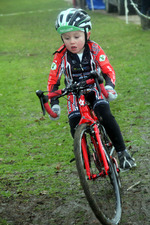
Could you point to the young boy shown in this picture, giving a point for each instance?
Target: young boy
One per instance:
(75, 59)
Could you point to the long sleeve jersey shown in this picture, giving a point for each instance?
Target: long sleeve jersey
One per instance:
(74, 69)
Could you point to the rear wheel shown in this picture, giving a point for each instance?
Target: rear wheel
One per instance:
(102, 192)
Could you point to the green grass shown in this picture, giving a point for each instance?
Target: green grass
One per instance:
(32, 147)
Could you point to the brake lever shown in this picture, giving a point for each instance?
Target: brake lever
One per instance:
(43, 99)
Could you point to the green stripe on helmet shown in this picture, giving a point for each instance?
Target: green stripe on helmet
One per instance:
(68, 28)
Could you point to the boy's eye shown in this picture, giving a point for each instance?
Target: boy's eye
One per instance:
(76, 37)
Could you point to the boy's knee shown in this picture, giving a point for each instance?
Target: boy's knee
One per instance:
(74, 119)
(102, 110)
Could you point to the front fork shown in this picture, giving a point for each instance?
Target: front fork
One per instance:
(101, 155)
(101, 150)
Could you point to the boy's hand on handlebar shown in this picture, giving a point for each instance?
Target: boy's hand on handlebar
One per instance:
(112, 94)
(56, 109)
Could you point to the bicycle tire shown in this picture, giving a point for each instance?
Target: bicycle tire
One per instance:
(103, 193)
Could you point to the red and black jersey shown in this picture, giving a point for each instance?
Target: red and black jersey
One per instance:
(74, 69)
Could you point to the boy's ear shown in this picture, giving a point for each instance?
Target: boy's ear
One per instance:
(88, 35)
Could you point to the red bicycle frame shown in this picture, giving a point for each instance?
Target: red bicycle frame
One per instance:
(87, 116)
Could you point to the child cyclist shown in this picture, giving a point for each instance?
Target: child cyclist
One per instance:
(76, 58)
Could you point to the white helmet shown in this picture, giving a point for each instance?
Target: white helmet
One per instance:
(73, 20)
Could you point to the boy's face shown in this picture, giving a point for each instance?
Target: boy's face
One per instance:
(75, 41)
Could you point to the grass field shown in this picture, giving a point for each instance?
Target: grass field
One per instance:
(33, 148)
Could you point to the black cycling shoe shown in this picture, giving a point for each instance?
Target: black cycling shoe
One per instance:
(126, 161)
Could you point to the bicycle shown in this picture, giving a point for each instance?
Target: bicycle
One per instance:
(97, 167)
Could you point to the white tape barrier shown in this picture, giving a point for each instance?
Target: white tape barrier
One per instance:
(137, 10)
(135, 7)
(126, 10)
(92, 5)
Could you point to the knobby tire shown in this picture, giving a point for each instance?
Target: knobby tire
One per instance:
(103, 193)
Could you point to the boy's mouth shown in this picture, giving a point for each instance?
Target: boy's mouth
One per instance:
(73, 48)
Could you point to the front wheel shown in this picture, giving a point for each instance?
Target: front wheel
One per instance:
(102, 191)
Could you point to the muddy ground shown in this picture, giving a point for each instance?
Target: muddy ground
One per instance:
(72, 208)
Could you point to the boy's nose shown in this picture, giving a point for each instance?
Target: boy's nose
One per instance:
(72, 40)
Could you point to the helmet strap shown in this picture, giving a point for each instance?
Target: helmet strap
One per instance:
(85, 33)
(62, 39)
